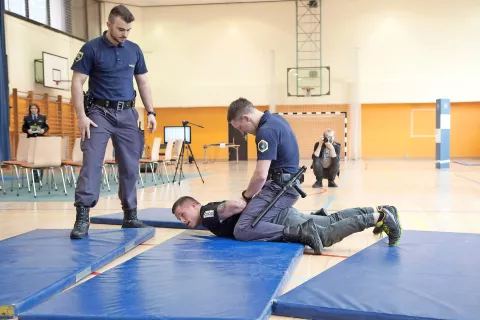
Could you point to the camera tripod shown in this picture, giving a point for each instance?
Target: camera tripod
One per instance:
(182, 153)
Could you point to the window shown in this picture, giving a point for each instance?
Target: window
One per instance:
(37, 10)
(67, 16)
(15, 6)
(58, 15)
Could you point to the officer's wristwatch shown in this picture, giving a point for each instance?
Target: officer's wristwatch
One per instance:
(244, 197)
(152, 112)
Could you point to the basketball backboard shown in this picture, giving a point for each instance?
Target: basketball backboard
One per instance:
(308, 81)
(52, 71)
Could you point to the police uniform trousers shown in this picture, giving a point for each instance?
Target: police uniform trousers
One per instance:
(265, 230)
(128, 142)
(332, 228)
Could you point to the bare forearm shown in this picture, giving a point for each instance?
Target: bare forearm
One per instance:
(230, 208)
(146, 95)
(77, 98)
(333, 154)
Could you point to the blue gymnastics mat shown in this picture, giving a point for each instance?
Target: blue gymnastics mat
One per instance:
(190, 276)
(39, 264)
(428, 275)
(154, 217)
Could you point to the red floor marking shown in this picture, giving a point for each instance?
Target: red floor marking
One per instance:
(147, 244)
(95, 273)
(319, 192)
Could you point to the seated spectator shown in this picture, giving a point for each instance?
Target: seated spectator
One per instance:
(35, 125)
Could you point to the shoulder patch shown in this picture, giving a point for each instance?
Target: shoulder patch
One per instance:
(209, 214)
(79, 56)
(262, 146)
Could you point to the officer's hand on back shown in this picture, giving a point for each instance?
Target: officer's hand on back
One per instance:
(84, 126)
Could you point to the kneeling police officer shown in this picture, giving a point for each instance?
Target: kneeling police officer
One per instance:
(278, 160)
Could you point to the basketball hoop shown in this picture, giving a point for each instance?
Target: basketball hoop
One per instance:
(57, 82)
(307, 91)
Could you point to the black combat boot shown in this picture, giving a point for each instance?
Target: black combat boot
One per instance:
(320, 212)
(318, 183)
(130, 219)
(82, 223)
(305, 233)
(331, 183)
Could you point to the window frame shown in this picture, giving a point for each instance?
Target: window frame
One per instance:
(49, 20)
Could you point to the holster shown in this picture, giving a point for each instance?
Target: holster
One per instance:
(279, 177)
(87, 101)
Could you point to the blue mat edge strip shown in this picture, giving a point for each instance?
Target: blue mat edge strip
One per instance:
(286, 277)
(70, 280)
(116, 219)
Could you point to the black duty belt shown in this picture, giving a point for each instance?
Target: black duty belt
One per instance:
(281, 178)
(117, 105)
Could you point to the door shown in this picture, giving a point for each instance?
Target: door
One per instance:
(235, 137)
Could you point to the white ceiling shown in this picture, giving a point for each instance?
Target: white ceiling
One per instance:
(145, 3)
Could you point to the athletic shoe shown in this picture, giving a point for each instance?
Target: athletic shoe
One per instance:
(392, 209)
(391, 226)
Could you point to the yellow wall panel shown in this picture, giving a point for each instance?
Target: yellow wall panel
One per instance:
(408, 130)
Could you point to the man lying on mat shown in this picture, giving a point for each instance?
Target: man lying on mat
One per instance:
(221, 217)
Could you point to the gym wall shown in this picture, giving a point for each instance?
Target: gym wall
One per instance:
(214, 119)
(398, 54)
(397, 51)
(408, 130)
(25, 42)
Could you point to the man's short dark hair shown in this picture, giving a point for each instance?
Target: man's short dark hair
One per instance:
(181, 201)
(122, 12)
(238, 108)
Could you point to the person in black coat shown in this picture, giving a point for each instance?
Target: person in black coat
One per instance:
(35, 125)
(326, 159)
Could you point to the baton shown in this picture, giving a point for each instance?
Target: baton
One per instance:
(291, 183)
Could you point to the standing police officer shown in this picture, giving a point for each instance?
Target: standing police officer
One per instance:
(110, 62)
(277, 161)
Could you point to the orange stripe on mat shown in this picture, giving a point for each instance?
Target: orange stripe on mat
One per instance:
(147, 244)
(95, 273)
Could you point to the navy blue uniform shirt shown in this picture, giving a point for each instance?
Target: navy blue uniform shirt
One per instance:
(110, 68)
(276, 141)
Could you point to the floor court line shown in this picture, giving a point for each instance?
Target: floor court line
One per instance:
(330, 199)
(475, 181)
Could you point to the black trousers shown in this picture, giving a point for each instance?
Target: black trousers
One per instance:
(325, 173)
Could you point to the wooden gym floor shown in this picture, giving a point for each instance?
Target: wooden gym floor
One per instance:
(427, 199)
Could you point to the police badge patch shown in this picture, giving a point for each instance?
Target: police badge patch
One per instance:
(79, 56)
(262, 146)
(209, 214)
